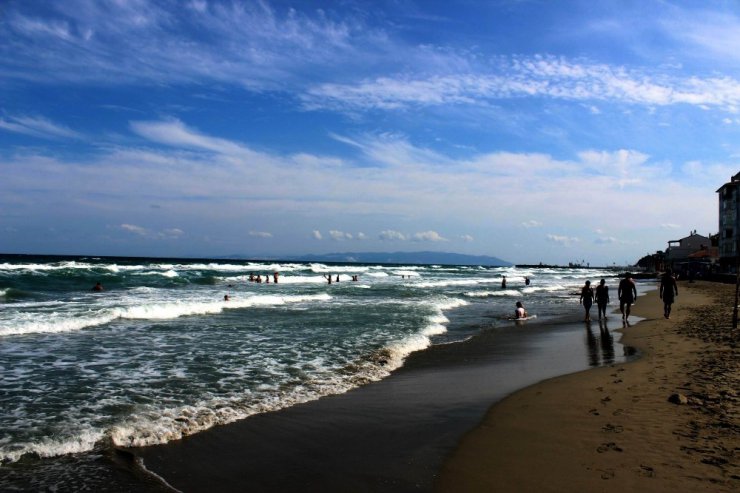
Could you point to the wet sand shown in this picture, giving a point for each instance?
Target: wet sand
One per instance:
(614, 428)
(392, 435)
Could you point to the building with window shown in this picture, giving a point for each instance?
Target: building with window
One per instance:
(729, 226)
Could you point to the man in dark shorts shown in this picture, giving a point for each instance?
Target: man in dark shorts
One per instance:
(627, 293)
(668, 291)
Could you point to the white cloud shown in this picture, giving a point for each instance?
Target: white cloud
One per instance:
(165, 234)
(432, 236)
(670, 226)
(603, 240)
(466, 238)
(390, 235)
(316, 234)
(539, 76)
(260, 234)
(562, 240)
(531, 224)
(135, 229)
(250, 44)
(38, 127)
(175, 133)
(339, 235)
(172, 233)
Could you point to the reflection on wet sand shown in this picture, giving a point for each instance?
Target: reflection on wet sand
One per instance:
(601, 347)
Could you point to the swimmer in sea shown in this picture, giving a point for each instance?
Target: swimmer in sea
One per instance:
(226, 297)
(97, 287)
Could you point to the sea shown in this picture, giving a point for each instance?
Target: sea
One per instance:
(160, 353)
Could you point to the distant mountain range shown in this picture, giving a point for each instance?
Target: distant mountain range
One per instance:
(441, 258)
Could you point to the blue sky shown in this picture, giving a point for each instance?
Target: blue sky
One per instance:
(550, 131)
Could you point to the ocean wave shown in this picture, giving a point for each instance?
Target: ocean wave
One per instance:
(151, 425)
(173, 424)
(29, 323)
(490, 294)
(83, 441)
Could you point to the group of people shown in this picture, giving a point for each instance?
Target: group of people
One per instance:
(626, 292)
(329, 281)
(258, 278)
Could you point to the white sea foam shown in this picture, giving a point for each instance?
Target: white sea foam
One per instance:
(57, 321)
(494, 293)
(84, 441)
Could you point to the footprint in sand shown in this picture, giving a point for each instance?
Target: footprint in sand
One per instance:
(594, 412)
(606, 473)
(605, 447)
(610, 428)
(646, 471)
(618, 412)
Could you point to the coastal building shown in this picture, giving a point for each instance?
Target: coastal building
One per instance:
(692, 254)
(653, 262)
(729, 224)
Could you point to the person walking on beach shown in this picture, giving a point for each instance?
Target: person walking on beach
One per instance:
(627, 293)
(520, 311)
(587, 299)
(602, 297)
(668, 291)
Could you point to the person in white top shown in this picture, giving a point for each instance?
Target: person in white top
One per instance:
(520, 311)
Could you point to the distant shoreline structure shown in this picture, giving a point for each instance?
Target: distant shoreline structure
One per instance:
(570, 266)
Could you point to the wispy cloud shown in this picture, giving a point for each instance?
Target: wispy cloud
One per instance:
(250, 44)
(260, 234)
(562, 240)
(169, 233)
(548, 77)
(38, 127)
(531, 224)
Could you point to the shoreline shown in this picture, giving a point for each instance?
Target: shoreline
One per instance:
(612, 428)
(389, 435)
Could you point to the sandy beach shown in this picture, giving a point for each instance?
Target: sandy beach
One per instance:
(616, 428)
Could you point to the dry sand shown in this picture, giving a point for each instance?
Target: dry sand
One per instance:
(614, 428)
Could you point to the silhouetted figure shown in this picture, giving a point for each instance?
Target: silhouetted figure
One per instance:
(668, 291)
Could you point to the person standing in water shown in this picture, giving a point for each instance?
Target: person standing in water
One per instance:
(627, 293)
(503, 283)
(668, 291)
(587, 299)
(602, 297)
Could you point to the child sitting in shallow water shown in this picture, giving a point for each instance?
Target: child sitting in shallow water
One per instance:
(520, 311)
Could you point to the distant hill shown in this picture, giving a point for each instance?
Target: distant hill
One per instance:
(441, 258)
